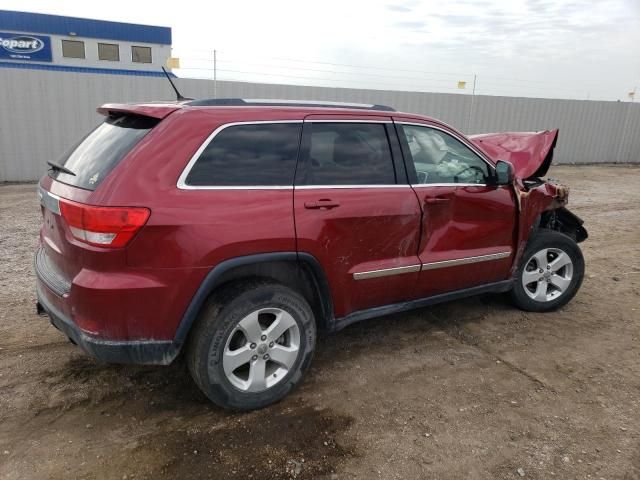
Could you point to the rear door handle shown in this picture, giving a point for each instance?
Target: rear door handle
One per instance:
(436, 200)
(322, 203)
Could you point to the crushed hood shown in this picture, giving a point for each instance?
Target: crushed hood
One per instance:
(530, 153)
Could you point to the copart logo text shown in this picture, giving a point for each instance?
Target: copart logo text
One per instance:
(22, 44)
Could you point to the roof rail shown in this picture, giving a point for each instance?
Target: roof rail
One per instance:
(258, 102)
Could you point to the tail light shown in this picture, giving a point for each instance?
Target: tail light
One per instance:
(112, 227)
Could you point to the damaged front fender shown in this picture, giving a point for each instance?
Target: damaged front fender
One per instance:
(543, 205)
(562, 220)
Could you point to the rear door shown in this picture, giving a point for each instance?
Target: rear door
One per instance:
(469, 222)
(355, 212)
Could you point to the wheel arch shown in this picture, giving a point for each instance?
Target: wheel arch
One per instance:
(558, 219)
(299, 271)
(563, 221)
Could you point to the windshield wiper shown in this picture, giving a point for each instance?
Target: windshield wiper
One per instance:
(60, 168)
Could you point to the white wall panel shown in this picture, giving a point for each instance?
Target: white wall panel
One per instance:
(45, 112)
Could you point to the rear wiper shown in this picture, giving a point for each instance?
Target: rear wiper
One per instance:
(60, 168)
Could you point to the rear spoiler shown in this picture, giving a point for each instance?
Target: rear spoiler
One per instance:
(153, 110)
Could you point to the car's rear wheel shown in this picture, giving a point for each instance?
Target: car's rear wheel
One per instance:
(251, 345)
(550, 273)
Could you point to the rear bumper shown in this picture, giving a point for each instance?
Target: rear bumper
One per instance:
(122, 315)
(152, 352)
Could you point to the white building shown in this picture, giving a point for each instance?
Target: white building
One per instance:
(53, 42)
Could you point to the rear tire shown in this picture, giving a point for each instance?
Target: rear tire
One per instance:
(550, 273)
(251, 345)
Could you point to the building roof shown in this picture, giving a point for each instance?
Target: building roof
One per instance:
(82, 27)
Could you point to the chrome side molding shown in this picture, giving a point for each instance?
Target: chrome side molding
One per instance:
(385, 272)
(465, 261)
(429, 266)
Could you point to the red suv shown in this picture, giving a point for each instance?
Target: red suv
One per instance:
(234, 230)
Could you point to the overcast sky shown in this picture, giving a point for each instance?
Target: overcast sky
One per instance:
(540, 48)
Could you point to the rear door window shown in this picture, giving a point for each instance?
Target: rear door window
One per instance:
(345, 153)
(93, 158)
(259, 154)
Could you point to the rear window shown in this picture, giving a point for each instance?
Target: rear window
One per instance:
(93, 158)
(262, 154)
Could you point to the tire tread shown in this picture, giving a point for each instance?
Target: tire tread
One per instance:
(212, 317)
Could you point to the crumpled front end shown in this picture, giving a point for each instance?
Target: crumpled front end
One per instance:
(542, 204)
(530, 153)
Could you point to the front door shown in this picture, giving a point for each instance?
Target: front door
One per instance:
(468, 222)
(355, 212)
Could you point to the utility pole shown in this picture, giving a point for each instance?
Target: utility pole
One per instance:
(215, 74)
(473, 96)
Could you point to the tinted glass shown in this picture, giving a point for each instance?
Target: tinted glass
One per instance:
(141, 54)
(99, 152)
(108, 51)
(440, 158)
(349, 154)
(72, 49)
(245, 155)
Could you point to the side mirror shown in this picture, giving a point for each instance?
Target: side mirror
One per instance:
(504, 173)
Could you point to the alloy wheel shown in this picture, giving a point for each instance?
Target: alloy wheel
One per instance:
(547, 274)
(261, 350)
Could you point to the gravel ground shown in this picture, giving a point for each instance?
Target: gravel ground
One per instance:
(471, 389)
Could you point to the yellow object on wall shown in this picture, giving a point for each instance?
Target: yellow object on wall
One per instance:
(173, 62)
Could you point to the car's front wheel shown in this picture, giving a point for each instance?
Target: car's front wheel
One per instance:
(550, 273)
(252, 344)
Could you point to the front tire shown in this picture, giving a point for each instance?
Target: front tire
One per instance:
(252, 344)
(550, 273)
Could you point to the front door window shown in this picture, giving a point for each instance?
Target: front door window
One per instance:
(441, 158)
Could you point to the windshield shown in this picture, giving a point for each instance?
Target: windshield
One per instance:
(98, 153)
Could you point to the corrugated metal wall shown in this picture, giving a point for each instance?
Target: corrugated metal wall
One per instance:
(44, 113)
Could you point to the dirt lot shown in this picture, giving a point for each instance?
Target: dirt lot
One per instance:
(472, 389)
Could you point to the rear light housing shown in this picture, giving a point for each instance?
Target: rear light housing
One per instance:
(111, 227)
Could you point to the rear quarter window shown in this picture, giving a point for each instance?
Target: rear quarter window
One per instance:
(93, 158)
(261, 154)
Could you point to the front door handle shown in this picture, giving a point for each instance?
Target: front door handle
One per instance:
(322, 203)
(436, 200)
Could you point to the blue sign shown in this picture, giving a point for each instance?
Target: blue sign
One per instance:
(22, 46)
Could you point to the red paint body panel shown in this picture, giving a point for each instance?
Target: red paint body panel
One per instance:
(142, 291)
(533, 202)
(108, 298)
(530, 153)
(201, 228)
(188, 232)
(465, 221)
(372, 229)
